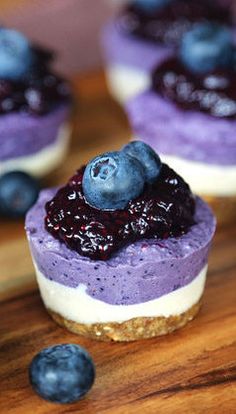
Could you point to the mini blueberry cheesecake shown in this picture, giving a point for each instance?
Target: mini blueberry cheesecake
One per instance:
(145, 34)
(121, 251)
(189, 115)
(34, 107)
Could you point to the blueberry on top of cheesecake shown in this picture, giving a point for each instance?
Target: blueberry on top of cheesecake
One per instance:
(202, 76)
(165, 21)
(27, 82)
(119, 198)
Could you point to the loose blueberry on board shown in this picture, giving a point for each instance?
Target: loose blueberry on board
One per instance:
(18, 192)
(112, 179)
(148, 158)
(16, 56)
(151, 5)
(62, 373)
(206, 47)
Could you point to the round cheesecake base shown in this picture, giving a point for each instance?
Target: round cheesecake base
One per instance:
(223, 207)
(131, 330)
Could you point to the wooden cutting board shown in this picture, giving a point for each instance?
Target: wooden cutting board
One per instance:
(190, 371)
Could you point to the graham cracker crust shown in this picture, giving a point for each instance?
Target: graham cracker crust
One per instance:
(131, 330)
(223, 207)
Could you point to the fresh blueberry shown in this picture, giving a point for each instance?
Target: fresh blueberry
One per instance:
(206, 47)
(151, 5)
(112, 179)
(18, 192)
(16, 55)
(148, 158)
(62, 373)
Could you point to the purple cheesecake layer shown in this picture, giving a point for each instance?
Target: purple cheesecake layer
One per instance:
(137, 273)
(22, 134)
(188, 134)
(124, 50)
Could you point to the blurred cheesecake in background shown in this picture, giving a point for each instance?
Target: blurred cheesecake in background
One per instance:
(146, 33)
(189, 115)
(35, 105)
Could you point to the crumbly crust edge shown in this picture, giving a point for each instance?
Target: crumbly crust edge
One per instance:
(130, 330)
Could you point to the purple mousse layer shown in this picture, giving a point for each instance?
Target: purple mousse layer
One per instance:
(22, 134)
(137, 273)
(188, 134)
(127, 50)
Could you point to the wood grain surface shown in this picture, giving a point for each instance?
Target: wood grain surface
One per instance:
(190, 371)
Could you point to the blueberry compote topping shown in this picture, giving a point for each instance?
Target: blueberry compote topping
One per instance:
(213, 93)
(167, 23)
(164, 209)
(37, 92)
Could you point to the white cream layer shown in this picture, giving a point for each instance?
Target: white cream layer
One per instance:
(42, 162)
(76, 305)
(124, 81)
(205, 179)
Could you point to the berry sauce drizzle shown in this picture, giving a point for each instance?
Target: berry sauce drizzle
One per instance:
(165, 209)
(39, 92)
(213, 93)
(168, 24)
